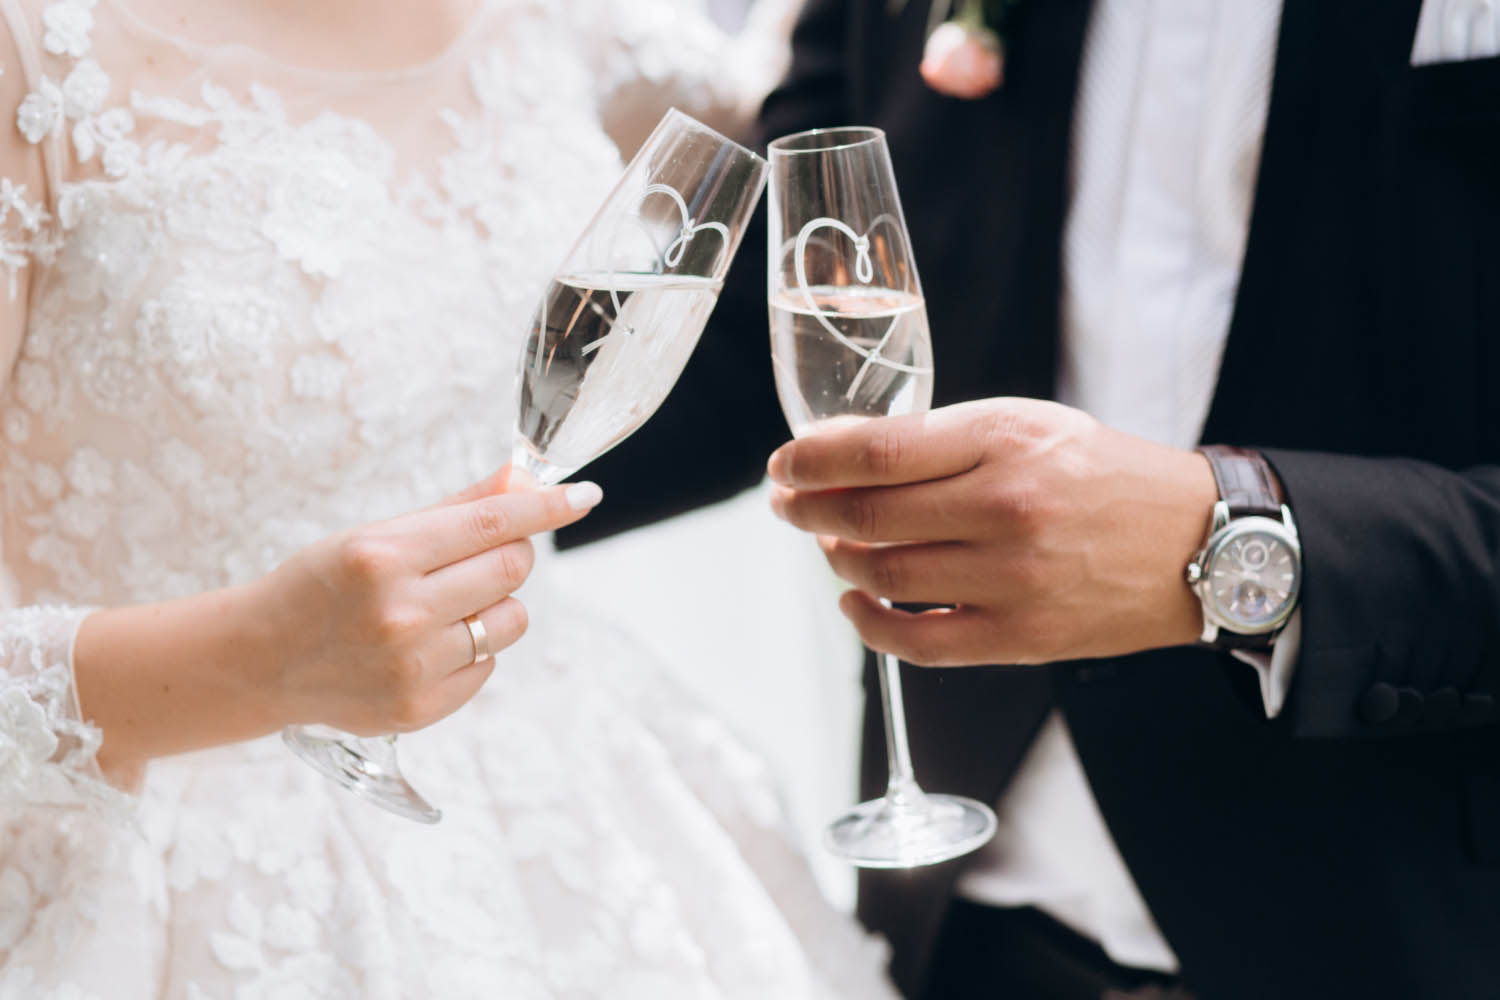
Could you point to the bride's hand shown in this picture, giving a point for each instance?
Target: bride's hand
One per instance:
(370, 623)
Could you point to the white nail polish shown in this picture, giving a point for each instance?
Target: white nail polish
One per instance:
(582, 496)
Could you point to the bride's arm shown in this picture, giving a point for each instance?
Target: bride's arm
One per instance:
(363, 630)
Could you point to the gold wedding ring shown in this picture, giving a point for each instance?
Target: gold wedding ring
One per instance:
(481, 639)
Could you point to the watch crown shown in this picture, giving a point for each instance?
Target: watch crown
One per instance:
(1194, 572)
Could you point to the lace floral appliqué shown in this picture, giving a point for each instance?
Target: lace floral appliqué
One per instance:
(46, 751)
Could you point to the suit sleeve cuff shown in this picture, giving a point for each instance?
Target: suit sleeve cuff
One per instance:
(1275, 668)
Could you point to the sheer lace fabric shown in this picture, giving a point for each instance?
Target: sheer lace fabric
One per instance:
(252, 304)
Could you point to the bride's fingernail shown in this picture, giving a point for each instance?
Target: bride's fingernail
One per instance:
(582, 496)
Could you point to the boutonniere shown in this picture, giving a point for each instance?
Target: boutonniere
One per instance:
(965, 52)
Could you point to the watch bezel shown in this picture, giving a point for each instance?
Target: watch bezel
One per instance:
(1225, 534)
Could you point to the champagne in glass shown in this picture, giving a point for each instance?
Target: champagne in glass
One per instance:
(849, 341)
(824, 378)
(626, 306)
(604, 351)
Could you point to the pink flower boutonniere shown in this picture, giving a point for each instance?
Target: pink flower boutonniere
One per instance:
(965, 54)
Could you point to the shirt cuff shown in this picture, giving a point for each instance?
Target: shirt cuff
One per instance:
(1275, 668)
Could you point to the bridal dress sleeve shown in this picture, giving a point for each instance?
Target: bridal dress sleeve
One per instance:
(47, 750)
(653, 54)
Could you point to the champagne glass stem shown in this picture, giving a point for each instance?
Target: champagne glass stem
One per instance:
(901, 787)
(906, 827)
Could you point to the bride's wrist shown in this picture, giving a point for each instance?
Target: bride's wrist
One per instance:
(181, 675)
(261, 655)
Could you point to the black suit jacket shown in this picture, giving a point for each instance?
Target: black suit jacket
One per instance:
(1351, 847)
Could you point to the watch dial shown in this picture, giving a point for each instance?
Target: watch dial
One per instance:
(1252, 578)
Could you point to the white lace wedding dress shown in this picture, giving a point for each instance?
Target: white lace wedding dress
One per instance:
(252, 304)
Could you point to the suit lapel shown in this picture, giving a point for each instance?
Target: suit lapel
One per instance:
(1286, 377)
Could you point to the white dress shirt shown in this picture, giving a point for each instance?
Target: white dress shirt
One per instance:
(1454, 30)
(1167, 134)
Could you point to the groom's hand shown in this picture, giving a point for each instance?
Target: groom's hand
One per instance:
(1048, 535)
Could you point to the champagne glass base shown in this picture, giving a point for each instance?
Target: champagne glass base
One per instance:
(365, 766)
(912, 832)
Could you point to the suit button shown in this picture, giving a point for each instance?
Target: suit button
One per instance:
(1442, 707)
(1380, 703)
(1410, 708)
(1476, 708)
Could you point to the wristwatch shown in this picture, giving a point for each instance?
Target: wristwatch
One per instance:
(1249, 572)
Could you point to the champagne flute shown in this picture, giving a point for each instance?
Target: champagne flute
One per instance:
(849, 341)
(625, 308)
(612, 334)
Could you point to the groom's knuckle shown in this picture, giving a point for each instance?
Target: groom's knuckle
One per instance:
(1023, 504)
(1001, 430)
(860, 516)
(883, 451)
(889, 572)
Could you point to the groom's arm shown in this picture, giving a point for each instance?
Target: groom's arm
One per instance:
(711, 437)
(1401, 594)
(1057, 538)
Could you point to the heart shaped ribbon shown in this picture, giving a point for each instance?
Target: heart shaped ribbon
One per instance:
(670, 256)
(864, 271)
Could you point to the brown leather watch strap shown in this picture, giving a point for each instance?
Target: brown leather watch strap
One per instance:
(1246, 482)
(1234, 640)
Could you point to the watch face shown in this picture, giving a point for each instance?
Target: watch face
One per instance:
(1253, 576)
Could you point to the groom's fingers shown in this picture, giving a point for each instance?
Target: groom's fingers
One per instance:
(941, 638)
(944, 510)
(931, 573)
(886, 451)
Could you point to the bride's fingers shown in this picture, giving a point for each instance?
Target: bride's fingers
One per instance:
(455, 690)
(452, 591)
(448, 534)
(496, 482)
(519, 480)
(503, 624)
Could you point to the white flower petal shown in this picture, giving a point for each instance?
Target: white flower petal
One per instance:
(40, 113)
(235, 952)
(83, 141)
